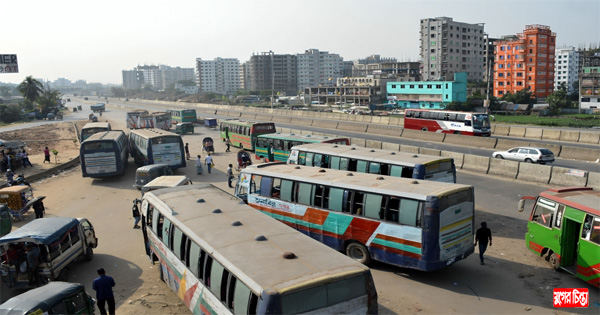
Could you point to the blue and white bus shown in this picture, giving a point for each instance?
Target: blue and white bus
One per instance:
(92, 128)
(156, 146)
(104, 154)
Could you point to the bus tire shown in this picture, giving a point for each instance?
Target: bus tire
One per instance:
(553, 261)
(358, 252)
(457, 132)
(89, 254)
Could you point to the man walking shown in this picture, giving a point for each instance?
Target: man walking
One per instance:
(230, 175)
(136, 213)
(482, 236)
(39, 209)
(228, 144)
(187, 151)
(209, 162)
(103, 286)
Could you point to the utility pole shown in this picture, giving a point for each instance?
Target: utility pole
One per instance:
(489, 79)
(272, 79)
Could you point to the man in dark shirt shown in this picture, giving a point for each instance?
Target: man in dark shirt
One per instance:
(482, 236)
(103, 286)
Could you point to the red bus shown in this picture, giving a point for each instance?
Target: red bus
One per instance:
(463, 123)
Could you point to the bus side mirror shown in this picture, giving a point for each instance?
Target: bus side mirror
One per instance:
(521, 205)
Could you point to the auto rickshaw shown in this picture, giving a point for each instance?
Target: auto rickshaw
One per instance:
(54, 297)
(184, 127)
(19, 199)
(207, 145)
(243, 160)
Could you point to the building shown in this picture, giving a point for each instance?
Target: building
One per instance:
(488, 55)
(318, 68)
(131, 80)
(448, 47)
(391, 69)
(158, 77)
(589, 86)
(428, 94)
(364, 91)
(525, 61)
(221, 75)
(268, 71)
(566, 68)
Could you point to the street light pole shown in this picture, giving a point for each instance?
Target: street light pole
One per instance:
(272, 79)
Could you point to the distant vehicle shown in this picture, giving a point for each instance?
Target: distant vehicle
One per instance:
(184, 127)
(85, 98)
(183, 115)
(68, 99)
(104, 154)
(158, 120)
(92, 128)
(154, 146)
(277, 146)
(132, 118)
(242, 134)
(54, 298)
(5, 220)
(99, 107)
(147, 173)
(50, 116)
(526, 154)
(461, 123)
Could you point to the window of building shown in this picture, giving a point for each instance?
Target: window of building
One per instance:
(519, 83)
(433, 51)
(429, 86)
(438, 86)
(432, 35)
(433, 28)
(432, 43)
(433, 65)
(432, 57)
(501, 75)
(519, 74)
(420, 86)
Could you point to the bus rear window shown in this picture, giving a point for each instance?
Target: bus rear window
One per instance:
(98, 146)
(456, 198)
(324, 295)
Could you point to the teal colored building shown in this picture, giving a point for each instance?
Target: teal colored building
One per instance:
(428, 94)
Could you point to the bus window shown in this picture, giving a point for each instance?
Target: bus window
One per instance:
(302, 158)
(335, 162)
(375, 168)
(309, 158)
(361, 166)
(351, 165)
(357, 203)
(193, 258)
(286, 190)
(343, 164)
(166, 230)
(408, 212)
(178, 245)
(393, 210)
(595, 235)
(202, 262)
(396, 170)
(207, 271)
(336, 196)
(305, 194)
(216, 273)
(276, 190)
(150, 212)
(559, 216)
(241, 297)
(278, 144)
(543, 213)
(320, 200)
(373, 206)
(255, 184)
(156, 228)
(265, 186)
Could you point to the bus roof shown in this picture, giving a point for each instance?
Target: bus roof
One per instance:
(293, 136)
(166, 181)
(232, 236)
(40, 299)
(443, 111)
(100, 124)
(362, 153)
(391, 185)
(582, 198)
(153, 133)
(243, 122)
(105, 135)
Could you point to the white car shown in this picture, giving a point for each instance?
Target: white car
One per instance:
(526, 154)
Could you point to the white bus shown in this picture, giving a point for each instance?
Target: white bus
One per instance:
(104, 154)
(222, 257)
(374, 161)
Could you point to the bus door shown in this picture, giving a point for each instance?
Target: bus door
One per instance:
(569, 241)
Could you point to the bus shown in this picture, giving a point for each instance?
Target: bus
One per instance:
(418, 224)
(92, 128)
(183, 115)
(375, 161)
(564, 228)
(156, 146)
(132, 118)
(462, 123)
(222, 257)
(277, 146)
(242, 134)
(158, 120)
(104, 154)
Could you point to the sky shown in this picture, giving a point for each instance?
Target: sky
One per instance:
(95, 40)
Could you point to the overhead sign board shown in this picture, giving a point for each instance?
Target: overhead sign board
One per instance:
(8, 64)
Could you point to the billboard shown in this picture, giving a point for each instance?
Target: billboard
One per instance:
(8, 64)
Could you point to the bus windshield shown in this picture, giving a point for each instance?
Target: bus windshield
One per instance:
(481, 121)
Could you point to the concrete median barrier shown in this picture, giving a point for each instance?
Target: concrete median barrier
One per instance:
(471, 141)
(355, 127)
(373, 144)
(385, 130)
(375, 120)
(384, 121)
(501, 130)
(589, 137)
(504, 168)
(569, 135)
(390, 146)
(534, 173)
(534, 133)
(301, 121)
(476, 163)
(505, 144)
(358, 142)
(429, 151)
(409, 148)
(264, 117)
(517, 132)
(423, 135)
(459, 158)
(282, 119)
(324, 124)
(576, 153)
(593, 180)
(248, 116)
(567, 177)
(394, 121)
(550, 134)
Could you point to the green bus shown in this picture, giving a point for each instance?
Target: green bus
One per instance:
(277, 146)
(564, 228)
(243, 134)
(183, 115)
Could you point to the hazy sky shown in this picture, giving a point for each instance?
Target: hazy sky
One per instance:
(96, 40)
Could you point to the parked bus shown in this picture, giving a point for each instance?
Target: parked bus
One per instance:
(221, 257)
(564, 228)
(463, 123)
(375, 161)
(424, 225)
(132, 118)
(92, 128)
(183, 115)
(156, 146)
(104, 154)
(242, 134)
(277, 146)
(158, 120)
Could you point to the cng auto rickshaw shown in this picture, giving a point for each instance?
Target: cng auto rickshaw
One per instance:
(19, 199)
(207, 145)
(55, 297)
(184, 127)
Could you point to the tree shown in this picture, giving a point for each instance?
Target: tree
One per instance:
(523, 96)
(30, 88)
(10, 113)
(557, 101)
(117, 91)
(48, 100)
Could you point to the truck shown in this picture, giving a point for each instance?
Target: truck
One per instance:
(59, 242)
(98, 107)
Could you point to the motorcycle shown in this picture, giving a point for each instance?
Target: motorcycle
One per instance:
(20, 180)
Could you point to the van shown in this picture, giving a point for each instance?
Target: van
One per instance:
(146, 173)
(53, 298)
(166, 182)
(60, 241)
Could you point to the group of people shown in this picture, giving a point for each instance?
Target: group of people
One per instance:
(11, 159)
(25, 257)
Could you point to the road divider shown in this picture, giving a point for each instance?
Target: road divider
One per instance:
(505, 144)
(355, 127)
(373, 144)
(534, 173)
(459, 158)
(504, 168)
(394, 131)
(516, 131)
(325, 124)
(534, 133)
(479, 142)
(476, 163)
(568, 177)
(569, 135)
(589, 137)
(423, 135)
(576, 153)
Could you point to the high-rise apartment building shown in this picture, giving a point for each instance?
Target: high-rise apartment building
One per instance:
(525, 61)
(158, 77)
(448, 47)
(221, 75)
(268, 71)
(130, 80)
(318, 68)
(566, 68)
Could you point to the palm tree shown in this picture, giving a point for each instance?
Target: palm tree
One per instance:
(30, 88)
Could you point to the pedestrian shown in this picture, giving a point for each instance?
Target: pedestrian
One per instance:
(47, 155)
(39, 209)
(13, 258)
(25, 159)
(33, 262)
(209, 162)
(198, 165)
(4, 162)
(230, 175)
(483, 235)
(104, 294)
(9, 176)
(187, 151)
(228, 144)
(136, 213)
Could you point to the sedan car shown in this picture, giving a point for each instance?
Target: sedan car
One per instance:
(526, 154)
